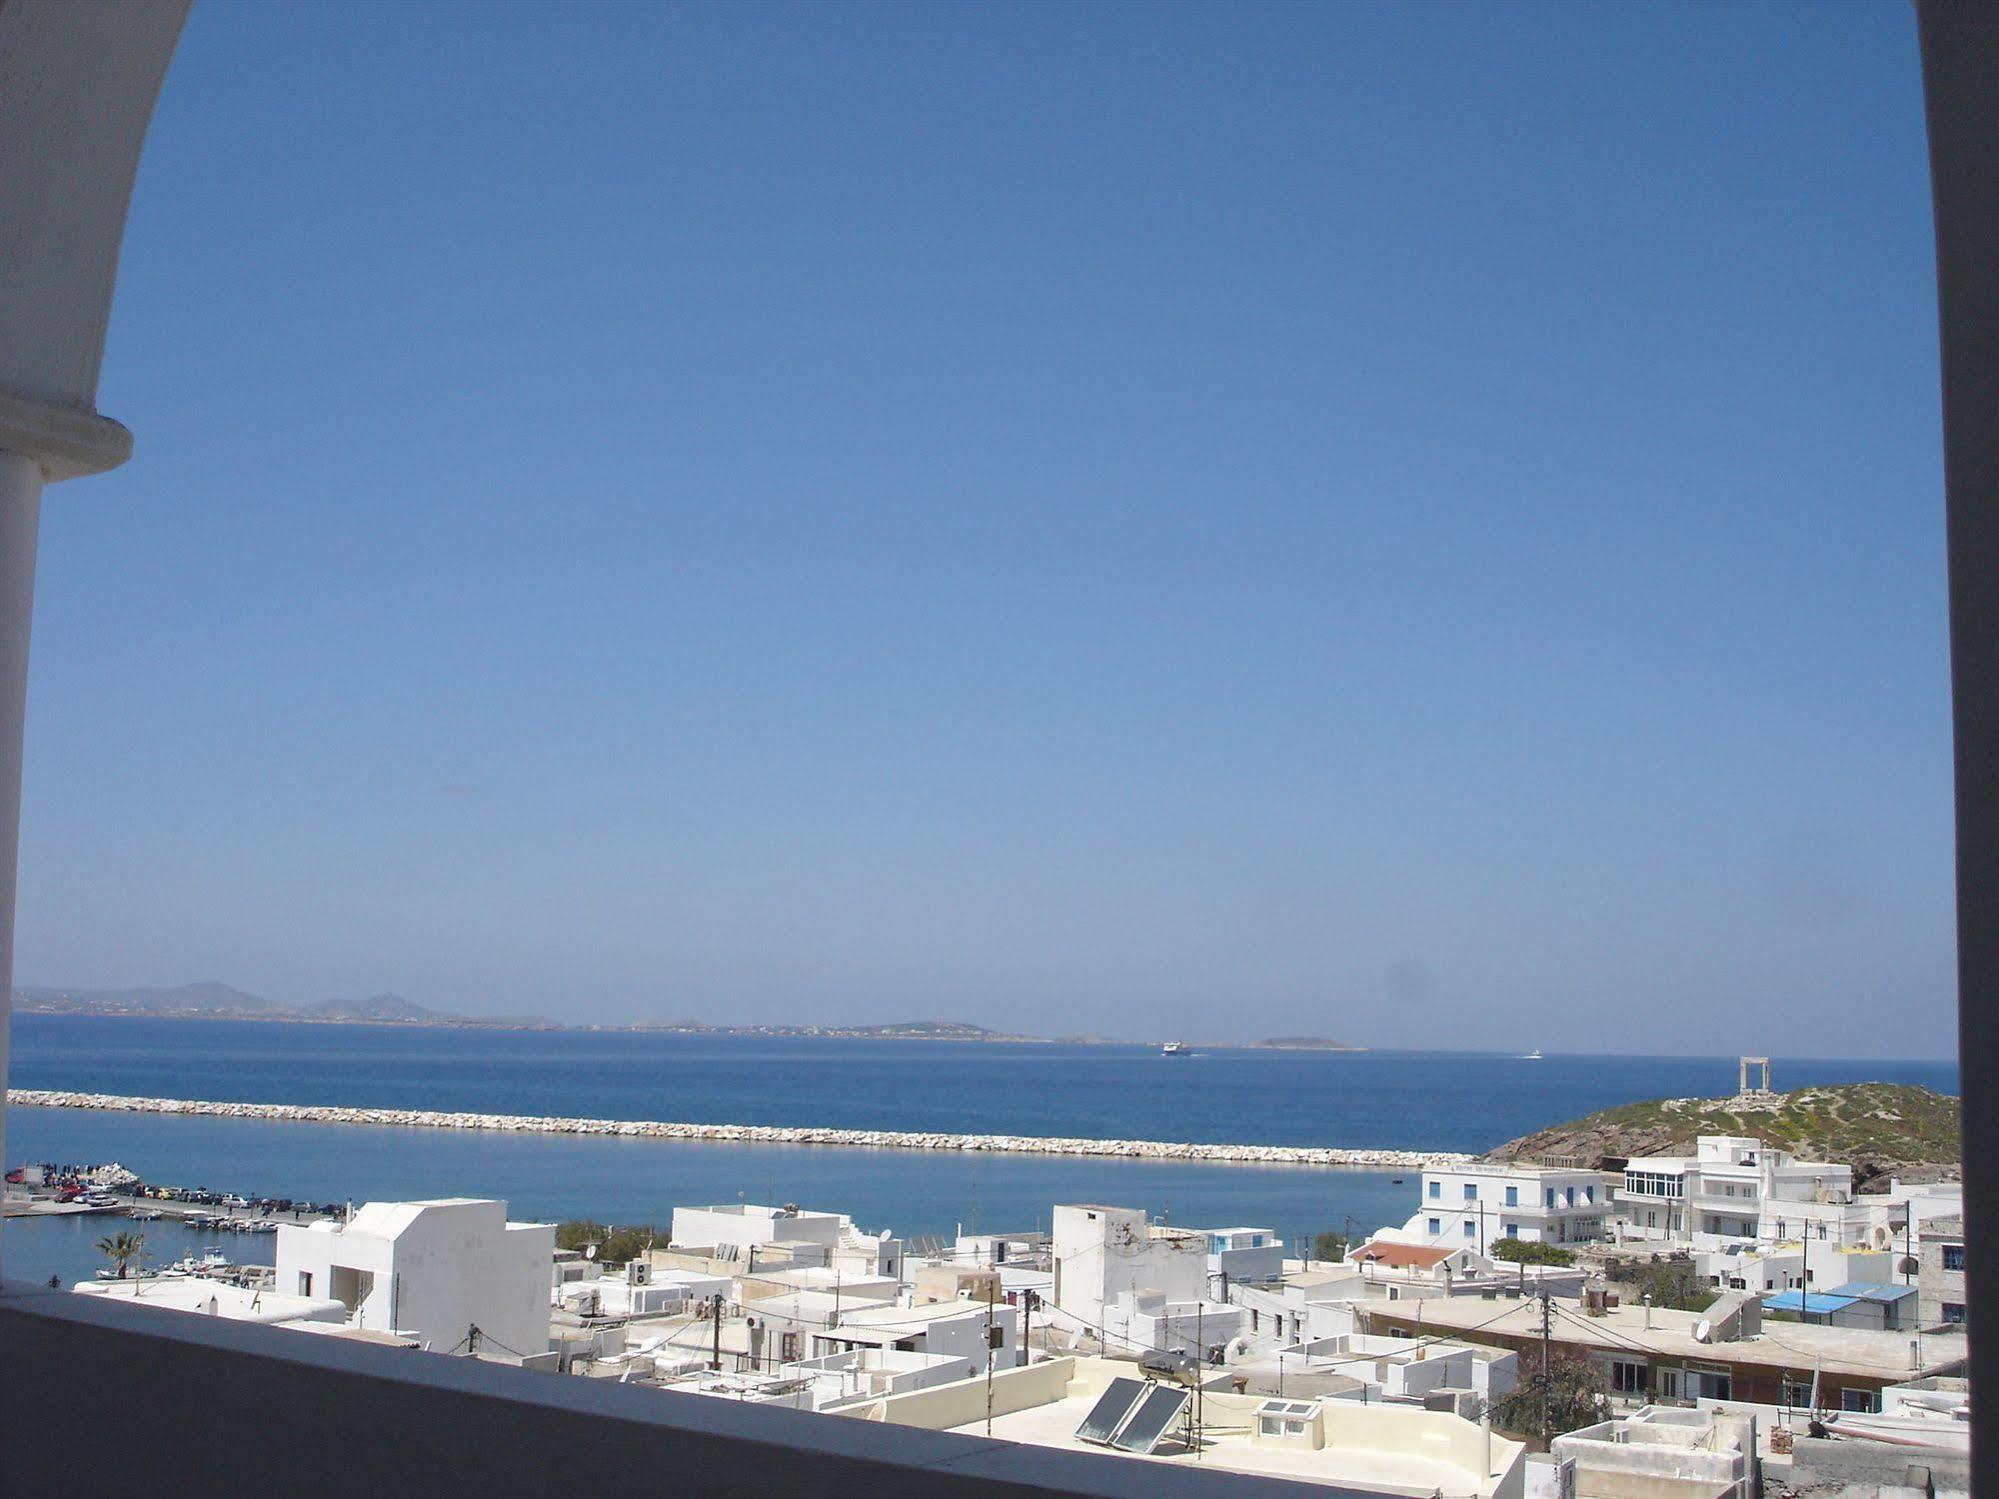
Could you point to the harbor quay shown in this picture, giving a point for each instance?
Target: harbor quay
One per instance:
(928, 1140)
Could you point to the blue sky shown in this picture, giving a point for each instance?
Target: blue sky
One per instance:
(1419, 524)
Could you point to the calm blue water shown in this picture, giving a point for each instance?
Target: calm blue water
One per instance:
(1417, 1100)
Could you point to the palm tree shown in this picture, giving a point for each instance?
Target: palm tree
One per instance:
(122, 1249)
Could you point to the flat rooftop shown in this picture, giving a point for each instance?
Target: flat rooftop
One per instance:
(1402, 1454)
(1794, 1345)
(898, 1316)
(192, 1293)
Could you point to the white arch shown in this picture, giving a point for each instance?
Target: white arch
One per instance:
(78, 80)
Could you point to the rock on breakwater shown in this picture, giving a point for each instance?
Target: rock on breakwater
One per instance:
(761, 1134)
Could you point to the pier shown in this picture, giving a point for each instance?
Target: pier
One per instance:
(762, 1134)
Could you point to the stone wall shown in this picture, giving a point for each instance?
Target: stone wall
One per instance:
(771, 1134)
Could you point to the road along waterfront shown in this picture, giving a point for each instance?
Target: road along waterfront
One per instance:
(1007, 1144)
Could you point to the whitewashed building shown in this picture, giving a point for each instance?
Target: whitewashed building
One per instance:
(1197, 1327)
(1386, 1368)
(862, 1374)
(435, 1270)
(1245, 1254)
(1102, 1254)
(755, 1235)
(976, 1331)
(1475, 1206)
(1735, 1187)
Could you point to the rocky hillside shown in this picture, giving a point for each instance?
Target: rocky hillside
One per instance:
(1882, 1129)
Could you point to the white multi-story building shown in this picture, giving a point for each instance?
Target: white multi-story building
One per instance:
(1473, 1207)
(432, 1270)
(1735, 1187)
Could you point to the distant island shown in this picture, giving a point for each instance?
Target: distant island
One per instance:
(213, 1000)
(1882, 1129)
(900, 1030)
(219, 1001)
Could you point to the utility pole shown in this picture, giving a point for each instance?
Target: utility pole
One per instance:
(1547, 1314)
(715, 1311)
(1200, 1376)
(989, 1362)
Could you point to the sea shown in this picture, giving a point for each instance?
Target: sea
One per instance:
(1390, 1099)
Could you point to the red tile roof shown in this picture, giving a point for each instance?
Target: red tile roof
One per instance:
(1403, 1256)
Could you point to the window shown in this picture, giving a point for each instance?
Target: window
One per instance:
(1551, 1197)
(1797, 1393)
(1436, 1189)
(1471, 1191)
(1512, 1230)
(1953, 1256)
(305, 1282)
(1628, 1376)
(1571, 1197)
(1953, 1313)
(995, 1338)
(1436, 1225)
(1589, 1194)
(1471, 1229)
(1863, 1401)
(1283, 1418)
(1513, 1197)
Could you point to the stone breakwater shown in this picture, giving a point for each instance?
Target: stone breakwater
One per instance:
(756, 1134)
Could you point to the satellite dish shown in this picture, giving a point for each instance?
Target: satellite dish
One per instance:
(1703, 1331)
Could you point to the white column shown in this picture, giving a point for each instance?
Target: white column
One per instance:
(20, 520)
(77, 88)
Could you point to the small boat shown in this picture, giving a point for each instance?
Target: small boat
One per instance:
(1175, 1049)
(1532, 1056)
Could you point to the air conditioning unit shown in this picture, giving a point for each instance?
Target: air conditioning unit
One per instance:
(638, 1273)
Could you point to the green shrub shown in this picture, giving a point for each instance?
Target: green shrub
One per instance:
(1329, 1246)
(615, 1246)
(1671, 1282)
(1576, 1396)
(1529, 1252)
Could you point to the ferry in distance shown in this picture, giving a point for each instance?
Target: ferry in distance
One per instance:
(1176, 1049)
(1532, 1056)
